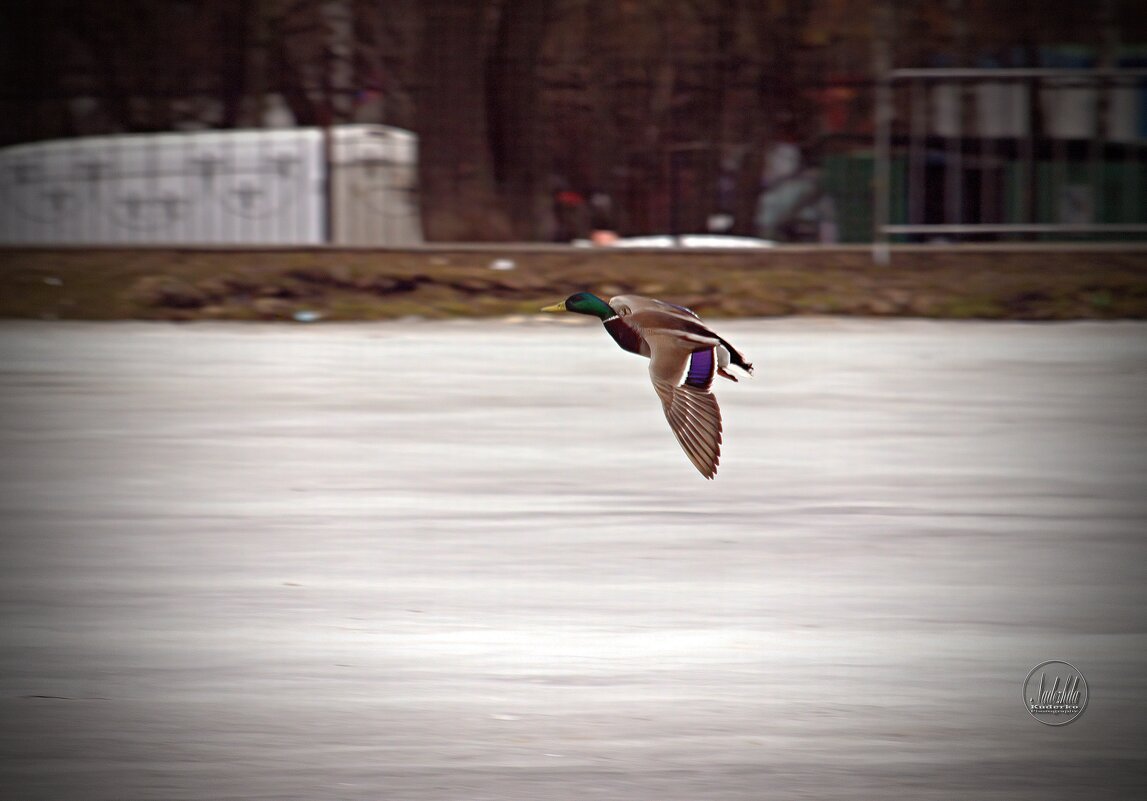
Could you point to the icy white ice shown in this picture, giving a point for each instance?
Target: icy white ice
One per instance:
(464, 561)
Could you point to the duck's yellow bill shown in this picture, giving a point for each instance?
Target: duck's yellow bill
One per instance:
(557, 307)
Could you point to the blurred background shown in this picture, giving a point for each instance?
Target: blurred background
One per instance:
(302, 562)
(394, 122)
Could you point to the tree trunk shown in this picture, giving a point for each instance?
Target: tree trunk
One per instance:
(234, 27)
(515, 122)
(459, 199)
(609, 168)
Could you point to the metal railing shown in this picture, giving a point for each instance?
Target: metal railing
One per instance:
(1010, 153)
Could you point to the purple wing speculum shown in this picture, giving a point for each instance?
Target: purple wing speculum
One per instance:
(702, 365)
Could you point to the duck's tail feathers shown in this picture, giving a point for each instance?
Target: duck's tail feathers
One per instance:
(736, 358)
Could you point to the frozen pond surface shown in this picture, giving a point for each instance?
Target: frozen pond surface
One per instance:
(465, 561)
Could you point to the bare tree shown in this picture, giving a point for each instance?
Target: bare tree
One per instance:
(460, 200)
(515, 124)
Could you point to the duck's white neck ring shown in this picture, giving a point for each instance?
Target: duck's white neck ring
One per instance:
(611, 319)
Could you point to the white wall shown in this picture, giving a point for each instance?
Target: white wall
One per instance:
(217, 187)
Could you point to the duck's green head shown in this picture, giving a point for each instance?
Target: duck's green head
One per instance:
(584, 303)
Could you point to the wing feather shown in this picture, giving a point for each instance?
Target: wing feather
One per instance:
(692, 411)
(694, 417)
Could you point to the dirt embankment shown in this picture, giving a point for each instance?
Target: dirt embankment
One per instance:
(1029, 283)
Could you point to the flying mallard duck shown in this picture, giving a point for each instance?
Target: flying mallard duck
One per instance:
(684, 356)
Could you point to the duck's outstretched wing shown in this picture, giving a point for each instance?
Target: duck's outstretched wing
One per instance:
(682, 379)
(684, 356)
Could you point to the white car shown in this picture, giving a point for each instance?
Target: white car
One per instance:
(684, 241)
